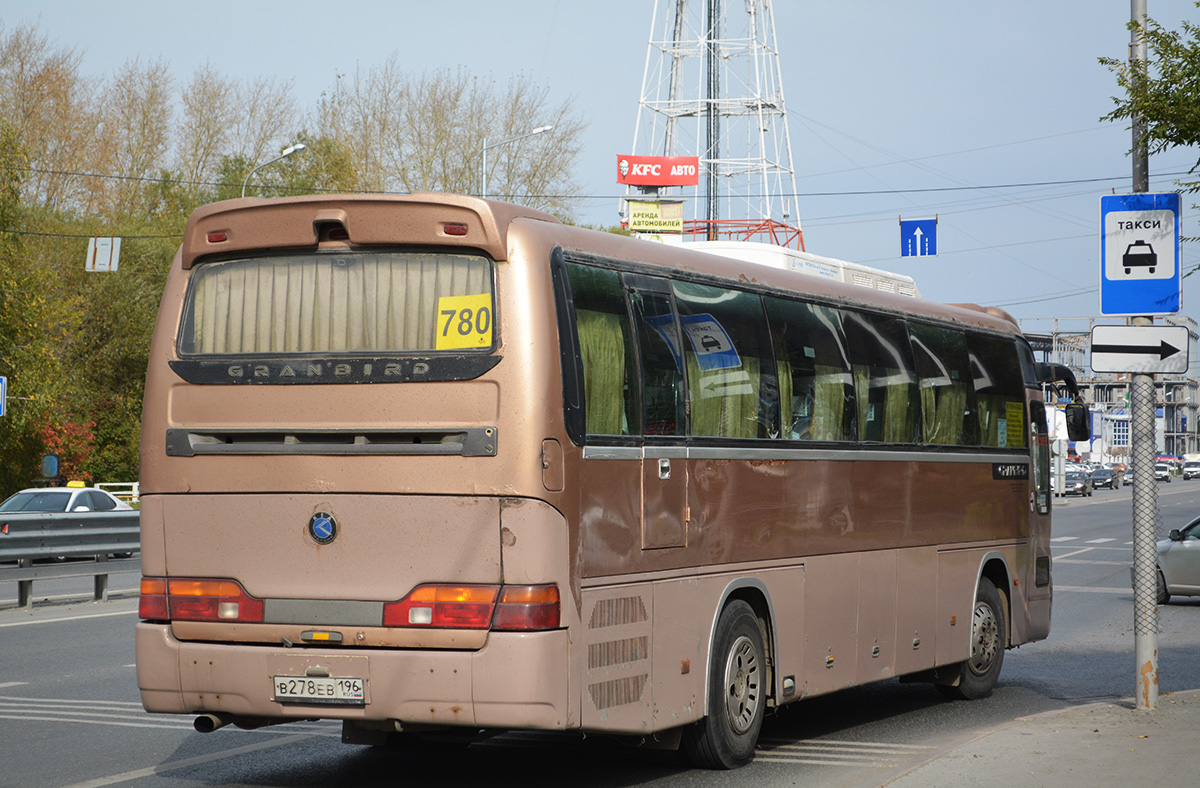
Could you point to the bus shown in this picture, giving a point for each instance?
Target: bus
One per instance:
(437, 465)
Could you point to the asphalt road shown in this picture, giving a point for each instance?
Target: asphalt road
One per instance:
(70, 715)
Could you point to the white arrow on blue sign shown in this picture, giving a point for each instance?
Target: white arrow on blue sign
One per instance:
(918, 237)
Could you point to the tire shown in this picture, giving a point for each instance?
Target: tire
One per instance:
(737, 693)
(977, 676)
(1162, 595)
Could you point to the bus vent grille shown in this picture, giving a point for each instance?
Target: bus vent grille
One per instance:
(618, 611)
(617, 692)
(618, 652)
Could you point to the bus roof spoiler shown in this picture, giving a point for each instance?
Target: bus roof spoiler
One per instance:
(1054, 373)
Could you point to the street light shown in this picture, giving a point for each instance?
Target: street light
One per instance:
(299, 146)
(486, 147)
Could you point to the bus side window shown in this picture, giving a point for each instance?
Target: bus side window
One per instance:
(816, 393)
(885, 384)
(947, 392)
(663, 396)
(606, 351)
(999, 390)
(730, 370)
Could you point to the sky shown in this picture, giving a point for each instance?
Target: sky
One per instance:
(983, 114)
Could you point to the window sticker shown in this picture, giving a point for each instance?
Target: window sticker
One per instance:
(711, 343)
(464, 322)
(1015, 411)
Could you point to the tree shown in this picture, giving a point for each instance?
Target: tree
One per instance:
(1163, 91)
(51, 107)
(427, 133)
(135, 120)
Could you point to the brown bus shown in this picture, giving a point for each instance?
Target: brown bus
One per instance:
(433, 463)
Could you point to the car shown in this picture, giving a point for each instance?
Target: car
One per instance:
(35, 500)
(1162, 472)
(1191, 469)
(62, 499)
(1179, 563)
(1077, 483)
(1127, 477)
(1106, 477)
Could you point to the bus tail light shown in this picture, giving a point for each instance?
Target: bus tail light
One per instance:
(188, 599)
(525, 608)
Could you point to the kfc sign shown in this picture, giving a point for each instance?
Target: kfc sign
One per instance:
(658, 170)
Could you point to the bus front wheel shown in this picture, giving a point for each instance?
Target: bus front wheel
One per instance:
(978, 675)
(725, 738)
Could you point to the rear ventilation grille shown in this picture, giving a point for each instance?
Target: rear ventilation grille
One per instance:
(618, 652)
(617, 692)
(618, 611)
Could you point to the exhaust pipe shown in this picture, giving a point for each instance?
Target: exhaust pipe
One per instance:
(207, 723)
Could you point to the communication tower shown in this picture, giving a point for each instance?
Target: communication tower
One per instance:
(712, 88)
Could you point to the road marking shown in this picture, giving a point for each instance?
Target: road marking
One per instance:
(1064, 539)
(1101, 541)
(169, 766)
(1091, 590)
(1077, 552)
(125, 714)
(68, 618)
(831, 752)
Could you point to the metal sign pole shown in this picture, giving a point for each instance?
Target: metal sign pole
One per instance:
(1145, 515)
(1145, 489)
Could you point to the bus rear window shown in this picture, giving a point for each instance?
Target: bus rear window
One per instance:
(354, 302)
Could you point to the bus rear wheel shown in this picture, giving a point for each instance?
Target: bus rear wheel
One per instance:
(978, 675)
(725, 738)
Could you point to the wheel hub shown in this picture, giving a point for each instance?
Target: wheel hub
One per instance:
(742, 685)
(985, 639)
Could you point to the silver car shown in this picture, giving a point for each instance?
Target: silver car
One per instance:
(1179, 563)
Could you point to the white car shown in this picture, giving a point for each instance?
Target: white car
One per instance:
(1162, 472)
(62, 499)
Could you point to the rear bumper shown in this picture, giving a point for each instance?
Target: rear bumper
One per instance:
(517, 680)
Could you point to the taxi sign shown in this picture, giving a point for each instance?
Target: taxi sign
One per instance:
(1139, 254)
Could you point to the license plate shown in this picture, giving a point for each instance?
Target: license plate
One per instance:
(319, 689)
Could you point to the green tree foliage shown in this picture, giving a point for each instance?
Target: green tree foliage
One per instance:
(133, 154)
(1163, 91)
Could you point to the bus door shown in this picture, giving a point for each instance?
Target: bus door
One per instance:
(664, 412)
(1039, 496)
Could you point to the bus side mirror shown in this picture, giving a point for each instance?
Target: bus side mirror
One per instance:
(1078, 428)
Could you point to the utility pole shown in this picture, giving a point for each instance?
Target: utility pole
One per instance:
(1145, 490)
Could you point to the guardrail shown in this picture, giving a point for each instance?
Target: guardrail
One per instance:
(26, 537)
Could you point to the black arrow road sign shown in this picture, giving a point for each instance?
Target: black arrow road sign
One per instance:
(1162, 350)
(1140, 349)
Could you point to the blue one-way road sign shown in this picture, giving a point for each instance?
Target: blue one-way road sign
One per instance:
(918, 237)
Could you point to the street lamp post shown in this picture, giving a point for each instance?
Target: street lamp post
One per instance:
(299, 146)
(487, 147)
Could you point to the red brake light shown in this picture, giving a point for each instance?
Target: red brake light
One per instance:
(443, 606)
(194, 599)
(524, 608)
(218, 237)
(454, 229)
